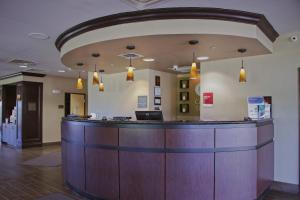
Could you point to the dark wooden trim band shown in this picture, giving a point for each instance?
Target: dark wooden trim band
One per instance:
(22, 74)
(167, 124)
(169, 150)
(169, 13)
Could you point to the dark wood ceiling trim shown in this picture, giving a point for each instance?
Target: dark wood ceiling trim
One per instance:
(22, 74)
(169, 13)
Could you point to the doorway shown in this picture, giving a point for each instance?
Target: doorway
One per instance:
(74, 104)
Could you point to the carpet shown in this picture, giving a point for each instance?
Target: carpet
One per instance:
(48, 160)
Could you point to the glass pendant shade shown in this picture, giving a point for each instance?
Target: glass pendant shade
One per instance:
(95, 77)
(79, 84)
(242, 77)
(130, 74)
(101, 85)
(193, 72)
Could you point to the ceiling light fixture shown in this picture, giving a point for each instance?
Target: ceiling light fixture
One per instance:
(130, 69)
(95, 74)
(61, 71)
(242, 76)
(130, 72)
(193, 71)
(38, 36)
(23, 66)
(79, 84)
(101, 84)
(201, 58)
(148, 59)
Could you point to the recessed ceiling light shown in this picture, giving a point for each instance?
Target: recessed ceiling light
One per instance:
(38, 36)
(148, 59)
(23, 66)
(202, 58)
(61, 71)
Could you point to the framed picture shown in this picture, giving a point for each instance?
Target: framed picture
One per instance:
(157, 80)
(142, 102)
(157, 92)
(157, 101)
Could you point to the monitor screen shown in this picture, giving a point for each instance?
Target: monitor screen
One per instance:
(149, 115)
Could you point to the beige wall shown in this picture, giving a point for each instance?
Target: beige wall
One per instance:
(269, 75)
(51, 113)
(168, 83)
(120, 97)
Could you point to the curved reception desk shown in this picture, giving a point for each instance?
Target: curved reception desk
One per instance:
(133, 160)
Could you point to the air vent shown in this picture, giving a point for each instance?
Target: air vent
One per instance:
(131, 55)
(35, 70)
(22, 62)
(142, 3)
(181, 69)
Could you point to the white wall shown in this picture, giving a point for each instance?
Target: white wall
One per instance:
(269, 75)
(120, 96)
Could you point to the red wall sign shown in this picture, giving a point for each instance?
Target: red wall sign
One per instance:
(208, 98)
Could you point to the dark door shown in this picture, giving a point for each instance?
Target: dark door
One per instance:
(31, 95)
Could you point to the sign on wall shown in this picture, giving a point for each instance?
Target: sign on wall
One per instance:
(208, 99)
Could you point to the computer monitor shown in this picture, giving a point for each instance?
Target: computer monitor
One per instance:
(149, 115)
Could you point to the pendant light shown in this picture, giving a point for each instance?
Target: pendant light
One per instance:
(193, 71)
(130, 69)
(242, 76)
(95, 77)
(95, 74)
(130, 72)
(79, 84)
(101, 84)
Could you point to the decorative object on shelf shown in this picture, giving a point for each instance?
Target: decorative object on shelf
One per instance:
(79, 84)
(193, 71)
(184, 108)
(101, 84)
(95, 74)
(184, 84)
(157, 101)
(242, 77)
(130, 72)
(157, 92)
(208, 99)
(184, 96)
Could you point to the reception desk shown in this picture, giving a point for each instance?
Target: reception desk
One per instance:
(138, 160)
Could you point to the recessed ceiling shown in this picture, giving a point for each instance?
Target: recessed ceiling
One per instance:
(19, 18)
(167, 50)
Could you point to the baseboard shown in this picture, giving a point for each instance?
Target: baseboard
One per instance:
(285, 187)
(51, 143)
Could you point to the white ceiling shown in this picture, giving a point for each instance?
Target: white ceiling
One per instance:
(52, 17)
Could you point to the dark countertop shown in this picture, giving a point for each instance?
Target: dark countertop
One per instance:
(255, 123)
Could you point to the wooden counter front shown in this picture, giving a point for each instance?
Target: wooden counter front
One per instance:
(177, 161)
